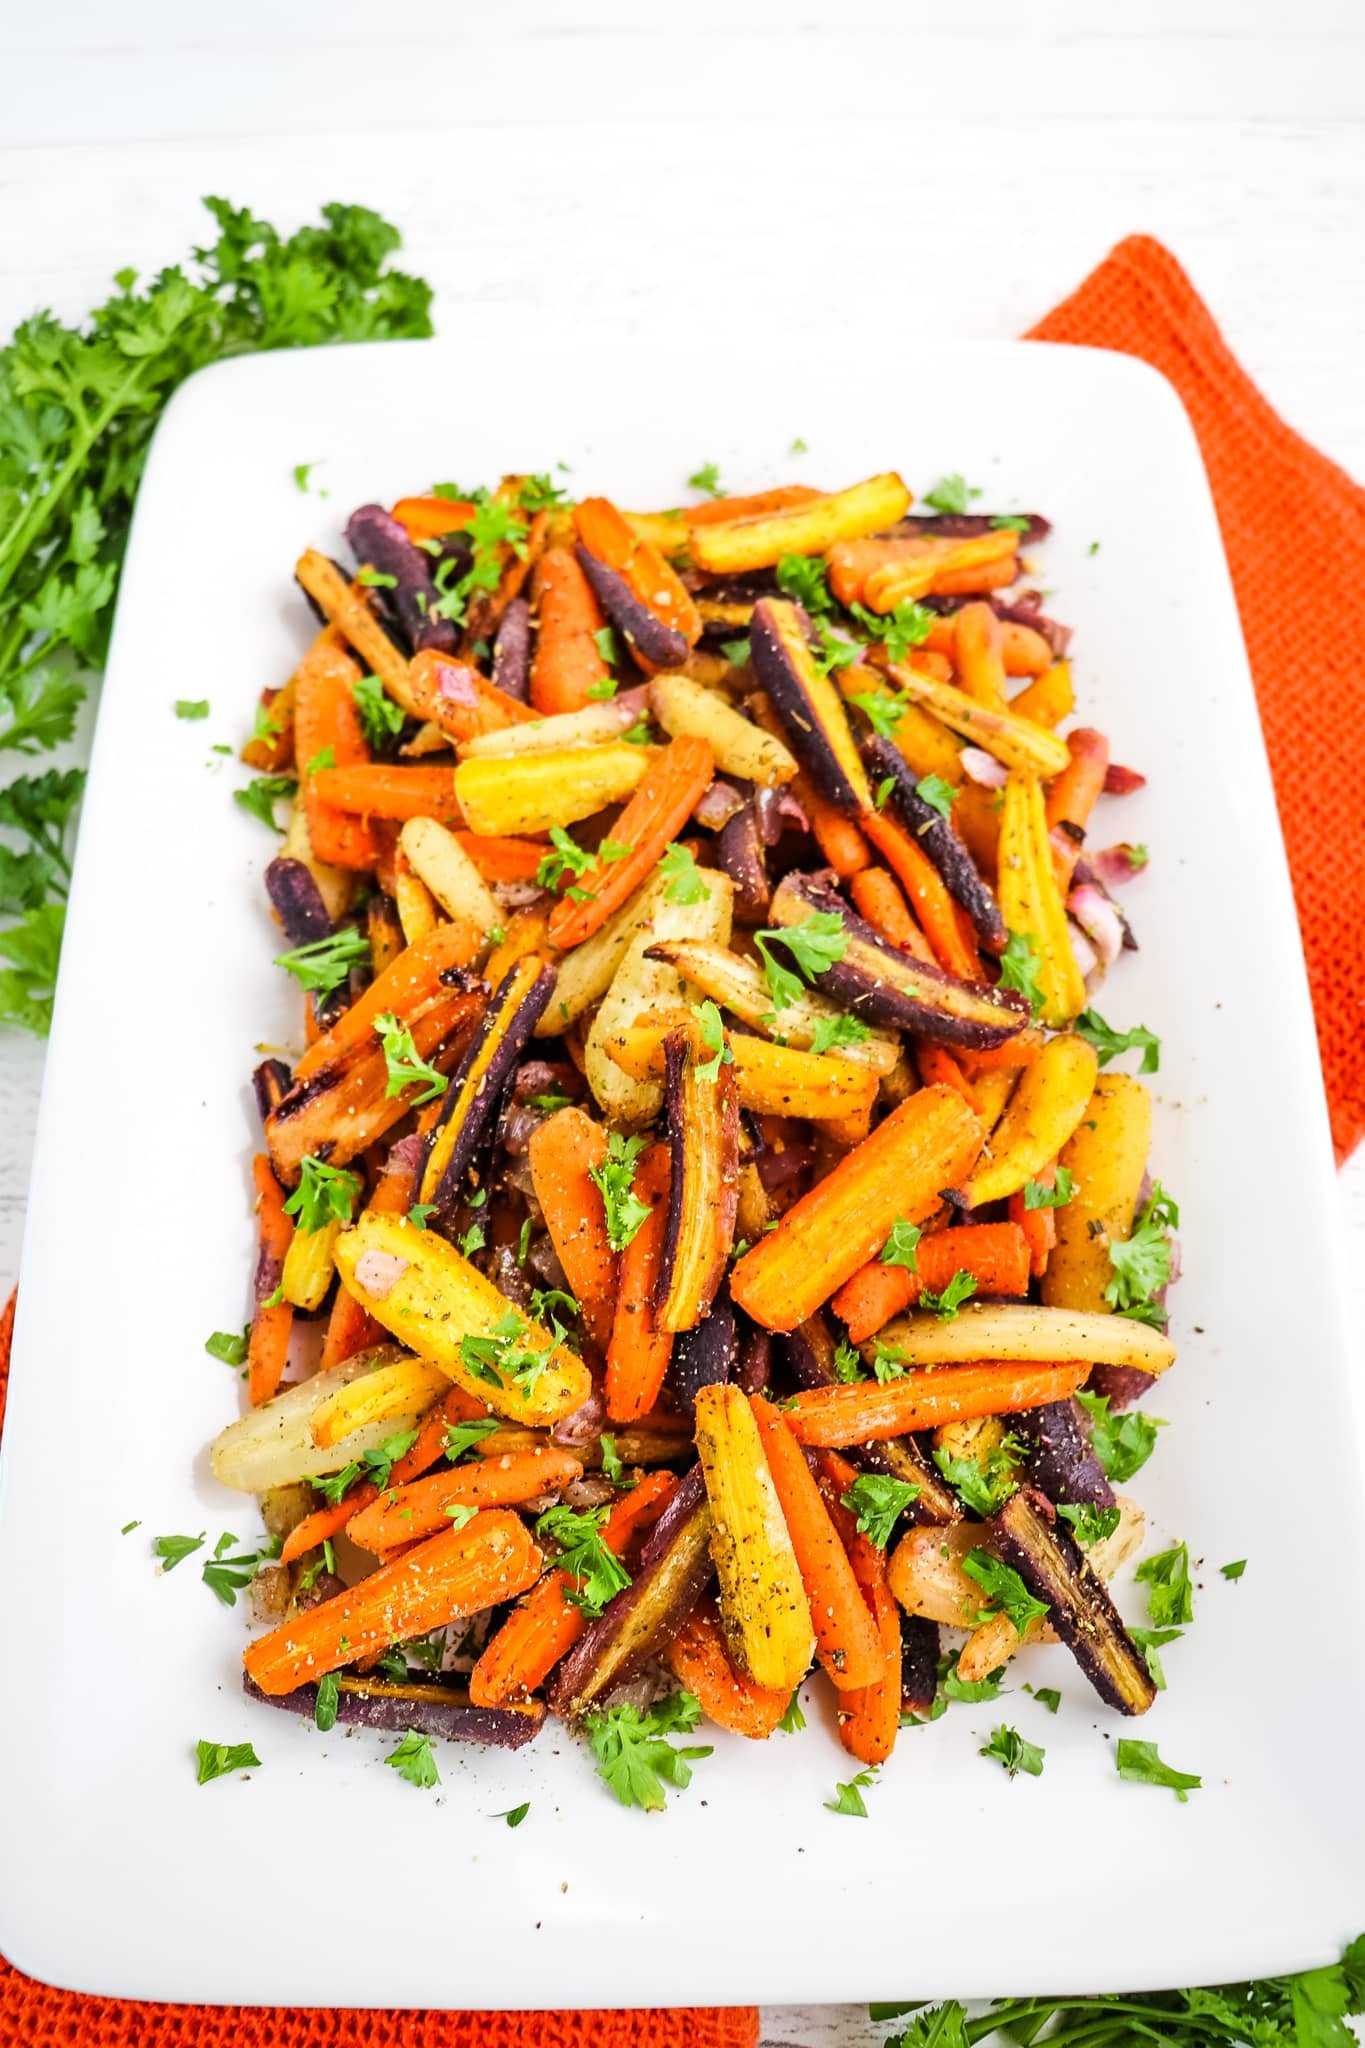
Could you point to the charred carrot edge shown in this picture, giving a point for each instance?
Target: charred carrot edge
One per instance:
(459, 1572)
(402, 1514)
(606, 534)
(456, 1406)
(325, 716)
(501, 860)
(562, 1153)
(878, 898)
(272, 1325)
(868, 1413)
(545, 1627)
(939, 1069)
(567, 665)
(1038, 1225)
(845, 1640)
(677, 780)
(995, 1254)
(978, 654)
(699, 1658)
(834, 1229)
(638, 1352)
(429, 518)
(869, 1720)
(350, 1328)
(1072, 796)
(924, 886)
(413, 978)
(377, 790)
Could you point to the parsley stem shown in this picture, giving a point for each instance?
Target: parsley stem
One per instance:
(15, 546)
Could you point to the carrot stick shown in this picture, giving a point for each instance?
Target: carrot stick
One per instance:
(837, 837)
(350, 1328)
(830, 1232)
(1024, 652)
(563, 1152)
(457, 699)
(878, 898)
(546, 1625)
(699, 1657)
(1038, 1225)
(502, 860)
(753, 505)
(1020, 1051)
(676, 781)
(845, 1640)
(429, 518)
(995, 1254)
(1072, 797)
(325, 717)
(867, 1413)
(638, 1352)
(1049, 698)
(939, 1069)
(403, 1513)
(924, 886)
(567, 666)
(412, 979)
(611, 539)
(456, 1406)
(378, 790)
(526, 931)
(978, 654)
(869, 1720)
(273, 1323)
(459, 1572)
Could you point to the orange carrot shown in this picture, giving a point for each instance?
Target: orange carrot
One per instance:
(845, 1218)
(753, 505)
(413, 978)
(1020, 1051)
(455, 697)
(273, 1322)
(995, 1254)
(879, 900)
(378, 790)
(677, 780)
(350, 1328)
(567, 666)
(459, 1572)
(867, 1413)
(325, 717)
(429, 518)
(274, 748)
(699, 1657)
(1049, 698)
(563, 1152)
(526, 930)
(978, 654)
(869, 1720)
(924, 886)
(845, 1641)
(611, 539)
(1072, 797)
(502, 860)
(546, 1625)
(1023, 651)
(638, 1353)
(1038, 1225)
(939, 1069)
(403, 1513)
(456, 1406)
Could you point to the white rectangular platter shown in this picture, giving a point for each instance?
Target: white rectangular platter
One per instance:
(327, 1880)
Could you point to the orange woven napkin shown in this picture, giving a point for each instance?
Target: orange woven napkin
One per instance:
(1294, 529)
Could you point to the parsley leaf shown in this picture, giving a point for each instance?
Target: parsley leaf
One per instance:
(1233, 1571)
(736, 652)
(1122, 1443)
(706, 478)
(262, 794)
(173, 1550)
(324, 964)
(1020, 965)
(1170, 1595)
(1046, 1696)
(1009, 522)
(1151, 1641)
(948, 1300)
(678, 866)
(887, 1362)
(848, 1364)
(633, 1758)
(612, 1467)
(1004, 1589)
(1090, 1524)
(503, 1357)
(1109, 1043)
(227, 1345)
(849, 1798)
(381, 719)
(901, 1247)
(1036, 1196)
(413, 1760)
(793, 1720)
(806, 579)
(1142, 1261)
(325, 1194)
(937, 793)
(615, 1179)
(879, 1501)
(883, 713)
(325, 1705)
(713, 1038)
(405, 1068)
(228, 1576)
(191, 707)
(907, 625)
(582, 1553)
(983, 1484)
(816, 943)
(1139, 1763)
(217, 1759)
(514, 1815)
(1009, 1749)
(832, 1032)
(568, 858)
(950, 494)
(461, 1437)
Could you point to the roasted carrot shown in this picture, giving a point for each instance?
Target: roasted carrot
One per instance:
(271, 748)
(414, 977)
(699, 1657)
(460, 1572)
(1038, 1225)
(1023, 651)
(350, 1328)
(429, 518)
(1049, 698)
(546, 1624)
(379, 790)
(831, 1231)
(404, 1513)
(869, 1720)
(995, 1254)
(501, 860)
(868, 1412)
(563, 1153)
(845, 1640)
(1072, 796)
(837, 837)
(326, 721)
(677, 780)
(939, 1069)
(567, 668)
(978, 654)
(273, 1322)
(878, 898)
(751, 505)
(526, 933)
(456, 1406)
(934, 907)
(611, 540)
(456, 698)
(1020, 1051)
(638, 1352)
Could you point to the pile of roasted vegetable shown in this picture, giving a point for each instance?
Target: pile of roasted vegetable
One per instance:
(699, 1238)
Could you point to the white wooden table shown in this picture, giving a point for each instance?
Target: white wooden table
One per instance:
(732, 161)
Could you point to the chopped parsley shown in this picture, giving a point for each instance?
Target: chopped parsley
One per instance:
(946, 1302)
(879, 1501)
(832, 1032)
(1036, 1196)
(848, 1365)
(883, 713)
(323, 964)
(713, 1038)
(907, 625)
(815, 944)
(1090, 1524)
(938, 794)
(736, 652)
(173, 1550)
(901, 1247)
(262, 794)
(191, 707)
(228, 1575)
(584, 1556)
(381, 719)
(371, 578)
(567, 858)
(1233, 1571)
(1142, 1261)
(887, 1363)
(1109, 1043)
(1009, 522)
(419, 1212)
(503, 1357)
(1004, 1590)
(951, 494)
(1008, 1748)
(793, 1719)
(706, 478)
(325, 1705)
(678, 867)
(1046, 1696)
(374, 1465)
(614, 1178)
(634, 1758)
(1020, 966)
(805, 578)
(514, 1815)
(1170, 1592)
(325, 1194)
(413, 1760)
(1140, 1764)
(406, 1068)
(228, 1345)
(461, 1437)
(983, 1484)
(612, 1467)
(1122, 1443)
(849, 1798)
(1151, 1641)
(217, 1759)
